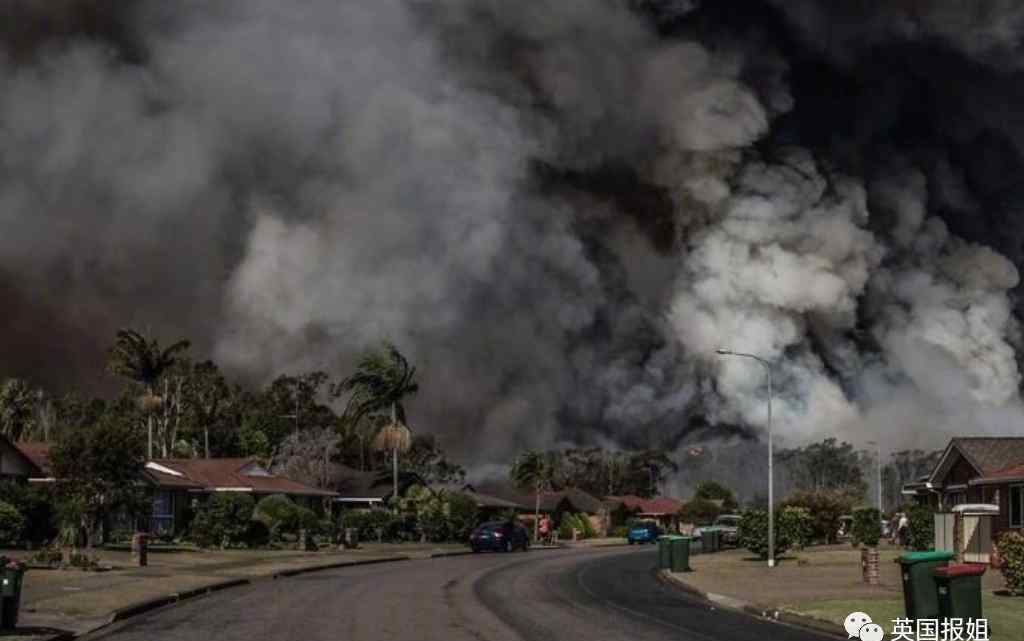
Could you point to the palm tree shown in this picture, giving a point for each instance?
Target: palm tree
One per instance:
(537, 471)
(140, 359)
(383, 378)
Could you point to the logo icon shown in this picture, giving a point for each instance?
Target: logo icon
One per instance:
(857, 620)
(871, 632)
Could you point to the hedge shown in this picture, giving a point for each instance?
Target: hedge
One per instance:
(1011, 549)
(796, 526)
(753, 534)
(922, 527)
(867, 526)
(12, 525)
(223, 520)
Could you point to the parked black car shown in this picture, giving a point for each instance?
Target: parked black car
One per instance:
(500, 536)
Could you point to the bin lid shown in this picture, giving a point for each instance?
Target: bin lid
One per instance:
(923, 557)
(963, 569)
(977, 509)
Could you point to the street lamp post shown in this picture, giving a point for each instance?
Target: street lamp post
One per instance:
(771, 475)
(878, 462)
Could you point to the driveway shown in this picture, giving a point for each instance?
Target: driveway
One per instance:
(564, 595)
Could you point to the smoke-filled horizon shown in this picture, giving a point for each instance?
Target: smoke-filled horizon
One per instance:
(558, 210)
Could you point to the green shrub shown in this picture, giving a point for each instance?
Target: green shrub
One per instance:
(371, 524)
(699, 512)
(463, 516)
(922, 527)
(12, 525)
(753, 534)
(284, 518)
(1011, 549)
(867, 526)
(36, 505)
(257, 534)
(620, 532)
(586, 526)
(796, 525)
(223, 520)
(825, 507)
(568, 524)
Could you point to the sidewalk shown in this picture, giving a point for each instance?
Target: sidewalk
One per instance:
(821, 585)
(77, 601)
(594, 543)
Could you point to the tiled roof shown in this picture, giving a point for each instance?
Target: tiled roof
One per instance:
(1013, 472)
(371, 484)
(227, 473)
(38, 453)
(991, 454)
(656, 505)
(578, 500)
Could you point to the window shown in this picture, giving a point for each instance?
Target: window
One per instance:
(1017, 506)
(162, 518)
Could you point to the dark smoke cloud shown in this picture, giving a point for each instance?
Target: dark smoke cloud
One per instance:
(559, 210)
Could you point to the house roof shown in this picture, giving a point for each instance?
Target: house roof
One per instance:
(987, 454)
(372, 484)
(38, 454)
(481, 499)
(578, 500)
(656, 505)
(225, 474)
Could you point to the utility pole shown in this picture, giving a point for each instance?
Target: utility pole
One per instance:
(771, 467)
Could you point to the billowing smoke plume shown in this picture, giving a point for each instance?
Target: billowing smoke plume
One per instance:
(559, 210)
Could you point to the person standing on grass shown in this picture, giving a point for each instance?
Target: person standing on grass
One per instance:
(904, 529)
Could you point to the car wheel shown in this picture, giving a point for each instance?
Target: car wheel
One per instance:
(632, 542)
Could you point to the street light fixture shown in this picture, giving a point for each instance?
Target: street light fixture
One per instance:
(771, 476)
(878, 462)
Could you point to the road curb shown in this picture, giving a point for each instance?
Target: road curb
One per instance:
(141, 607)
(444, 555)
(782, 616)
(284, 574)
(135, 609)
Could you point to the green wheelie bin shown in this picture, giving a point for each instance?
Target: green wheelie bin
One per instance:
(920, 594)
(959, 590)
(664, 553)
(680, 553)
(11, 574)
(709, 538)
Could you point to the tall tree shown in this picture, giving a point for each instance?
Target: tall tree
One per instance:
(17, 408)
(828, 465)
(98, 467)
(143, 361)
(536, 471)
(209, 401)
(427, 460)
(307, 456)
(382, 380)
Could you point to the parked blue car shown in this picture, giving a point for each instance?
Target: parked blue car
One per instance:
(643, 533)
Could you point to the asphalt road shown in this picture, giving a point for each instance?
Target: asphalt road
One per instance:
(564, 595)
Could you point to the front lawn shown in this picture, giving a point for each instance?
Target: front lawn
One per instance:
(1005, 614)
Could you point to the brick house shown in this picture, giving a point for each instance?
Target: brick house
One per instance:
(180, 484)
(176, 486)
(977, 470)
(661, 509)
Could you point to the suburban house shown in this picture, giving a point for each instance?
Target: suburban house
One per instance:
(490, 507)
(977, 470)
(19, 463)
(661, 509)
(370, 489)
(554, 504)
(178, 484)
